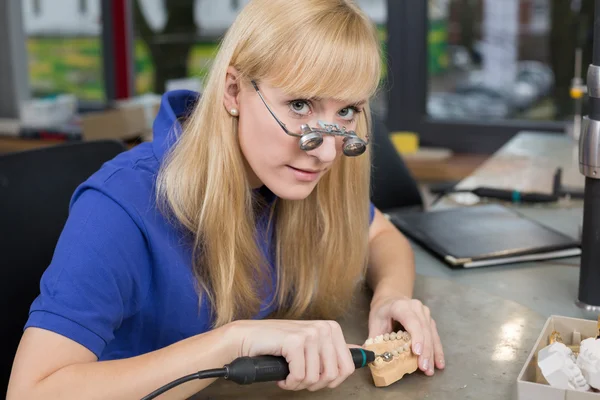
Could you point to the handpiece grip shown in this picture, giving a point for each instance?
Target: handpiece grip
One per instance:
(361, 357)
(247, 370)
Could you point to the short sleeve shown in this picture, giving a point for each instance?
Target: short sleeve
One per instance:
(98, 276)
(371, 213)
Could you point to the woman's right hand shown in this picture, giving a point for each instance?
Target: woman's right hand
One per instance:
(316, 351)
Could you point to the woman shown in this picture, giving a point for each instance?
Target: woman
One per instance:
(177, 251)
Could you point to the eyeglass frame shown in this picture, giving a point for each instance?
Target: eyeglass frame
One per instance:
(328, 129)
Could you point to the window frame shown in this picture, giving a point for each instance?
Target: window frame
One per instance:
(408, 79)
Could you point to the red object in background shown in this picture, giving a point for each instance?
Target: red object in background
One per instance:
(122, 48)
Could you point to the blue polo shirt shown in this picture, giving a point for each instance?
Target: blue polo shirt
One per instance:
(120, 282)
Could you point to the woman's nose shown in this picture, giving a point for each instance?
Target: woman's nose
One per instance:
(327, 151)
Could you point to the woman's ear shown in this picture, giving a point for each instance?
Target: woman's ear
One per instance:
(232, 91)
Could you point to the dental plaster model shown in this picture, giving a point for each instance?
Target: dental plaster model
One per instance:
(404, 361)
(589, 361)
(558, 365)
(555, 337)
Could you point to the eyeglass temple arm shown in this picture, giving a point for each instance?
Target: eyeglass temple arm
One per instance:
(271, 112)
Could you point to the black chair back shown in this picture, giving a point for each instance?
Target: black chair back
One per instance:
(35, 190)
(393, 188)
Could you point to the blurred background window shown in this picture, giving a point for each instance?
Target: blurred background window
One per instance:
(175, 41)
(506, 59)
(64, 48)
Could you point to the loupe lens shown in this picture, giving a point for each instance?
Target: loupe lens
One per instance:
(310, 141)
(354, 147)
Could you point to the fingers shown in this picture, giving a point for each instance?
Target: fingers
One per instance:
(405, 314)
(328, 360)
(344, 358)
(312, 375)
(421, 312)
(426, 343)
(318, 357)
(379, 326)
(438, 351)
(295, 354)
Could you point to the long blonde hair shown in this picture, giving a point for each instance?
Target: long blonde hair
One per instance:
(312, 48)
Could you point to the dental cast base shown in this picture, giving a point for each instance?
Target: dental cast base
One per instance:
(589, 361)
(575, 367)
(558, 365)
(395, 357)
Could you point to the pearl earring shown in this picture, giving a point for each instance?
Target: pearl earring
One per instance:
(234, 112)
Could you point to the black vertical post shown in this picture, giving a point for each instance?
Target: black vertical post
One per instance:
(407, 68)
(117, 49)
(589, 165)
(14, 74)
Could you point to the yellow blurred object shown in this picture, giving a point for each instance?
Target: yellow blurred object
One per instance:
(576, 93)
(405, 142)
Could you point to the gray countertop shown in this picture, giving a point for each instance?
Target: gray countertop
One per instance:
(546, 287)
(527, 163)
(488, 317)
(486, 342)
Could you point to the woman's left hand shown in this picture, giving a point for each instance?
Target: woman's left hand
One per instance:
(416, 319)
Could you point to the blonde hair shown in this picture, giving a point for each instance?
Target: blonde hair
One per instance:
(312, 48)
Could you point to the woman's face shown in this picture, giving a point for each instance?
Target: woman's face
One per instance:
(274, 158)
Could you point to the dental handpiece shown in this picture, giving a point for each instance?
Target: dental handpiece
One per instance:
(247, 370)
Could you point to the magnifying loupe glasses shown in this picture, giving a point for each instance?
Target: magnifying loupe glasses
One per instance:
(311, 138)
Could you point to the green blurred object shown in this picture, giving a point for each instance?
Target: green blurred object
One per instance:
(74, 65)
(437, 41)
(66, 65)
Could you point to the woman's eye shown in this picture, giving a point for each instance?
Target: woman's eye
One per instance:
(299, 107)
(348, 113)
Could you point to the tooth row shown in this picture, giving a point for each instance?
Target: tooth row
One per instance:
(400, 349)
(401, 335)
(395, 352)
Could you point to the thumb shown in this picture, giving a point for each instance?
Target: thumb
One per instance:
(378, 326)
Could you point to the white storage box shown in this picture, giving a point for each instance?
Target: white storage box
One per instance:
(531, 384)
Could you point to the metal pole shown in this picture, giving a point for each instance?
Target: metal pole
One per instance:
(14, 74)
(589, 166)
(117, 49)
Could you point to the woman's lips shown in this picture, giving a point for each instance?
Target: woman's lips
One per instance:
(304, 175)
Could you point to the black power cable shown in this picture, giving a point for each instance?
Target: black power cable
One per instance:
(514, 196)
(209, 373)
(247, 370)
